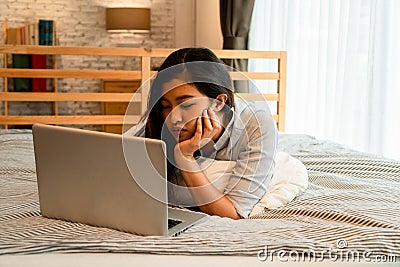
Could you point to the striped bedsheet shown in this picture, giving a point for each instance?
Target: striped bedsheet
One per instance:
(351, 206)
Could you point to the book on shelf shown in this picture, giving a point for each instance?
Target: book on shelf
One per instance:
(31, 34)
(36, 33)
(23, 35)
(11, 36)
(39, 62)
(21, 62)
(46, 32)
(42, 32)
(50, 32)
(17, 35)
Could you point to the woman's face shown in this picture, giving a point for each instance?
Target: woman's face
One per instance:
(180, 108)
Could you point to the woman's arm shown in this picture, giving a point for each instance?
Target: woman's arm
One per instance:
(254, 147)
(211, 201)
(208, 198)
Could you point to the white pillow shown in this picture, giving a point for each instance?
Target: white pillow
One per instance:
(289, 179)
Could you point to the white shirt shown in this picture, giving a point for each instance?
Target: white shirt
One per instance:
(250, 139)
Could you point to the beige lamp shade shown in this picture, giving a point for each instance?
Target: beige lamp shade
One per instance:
(128, 19)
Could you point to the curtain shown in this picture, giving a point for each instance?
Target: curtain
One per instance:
(235, 16)
(342, 83)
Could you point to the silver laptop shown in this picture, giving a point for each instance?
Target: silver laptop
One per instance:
(106, 180)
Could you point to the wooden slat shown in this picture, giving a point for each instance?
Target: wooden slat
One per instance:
(114, 74)
(52, 73)
(87, 97)
(254, 76)
(84, 119)
(246, 54)
(282, 92)
(88, 119)
(125, 51)
(258, 97)
(88, 51)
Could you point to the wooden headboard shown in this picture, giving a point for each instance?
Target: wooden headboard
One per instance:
(144, 73)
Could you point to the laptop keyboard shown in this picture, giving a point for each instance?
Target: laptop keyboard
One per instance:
(172, 223)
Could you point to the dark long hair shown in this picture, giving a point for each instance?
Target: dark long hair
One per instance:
(197, 66)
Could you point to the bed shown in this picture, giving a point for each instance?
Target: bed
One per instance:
(351, 207)
(349, 210)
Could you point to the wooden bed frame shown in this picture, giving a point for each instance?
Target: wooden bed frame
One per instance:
(144, 73)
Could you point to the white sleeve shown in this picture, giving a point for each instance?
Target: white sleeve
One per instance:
(254, 166)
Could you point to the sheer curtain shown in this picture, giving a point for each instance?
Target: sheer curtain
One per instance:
(342, 81)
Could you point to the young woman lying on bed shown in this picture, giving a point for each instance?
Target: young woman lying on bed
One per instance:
(193, 109)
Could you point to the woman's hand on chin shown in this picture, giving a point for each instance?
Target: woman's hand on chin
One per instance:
(184, 150)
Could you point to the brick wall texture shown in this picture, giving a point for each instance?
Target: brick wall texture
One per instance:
(82, 23)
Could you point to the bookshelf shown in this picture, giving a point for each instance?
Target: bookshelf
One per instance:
(42, 32)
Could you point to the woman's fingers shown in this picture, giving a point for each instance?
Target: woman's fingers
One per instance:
(199, 131)
(208, 128)
(205, 130)
(216, 125)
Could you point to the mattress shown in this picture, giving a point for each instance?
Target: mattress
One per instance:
(350, 209)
